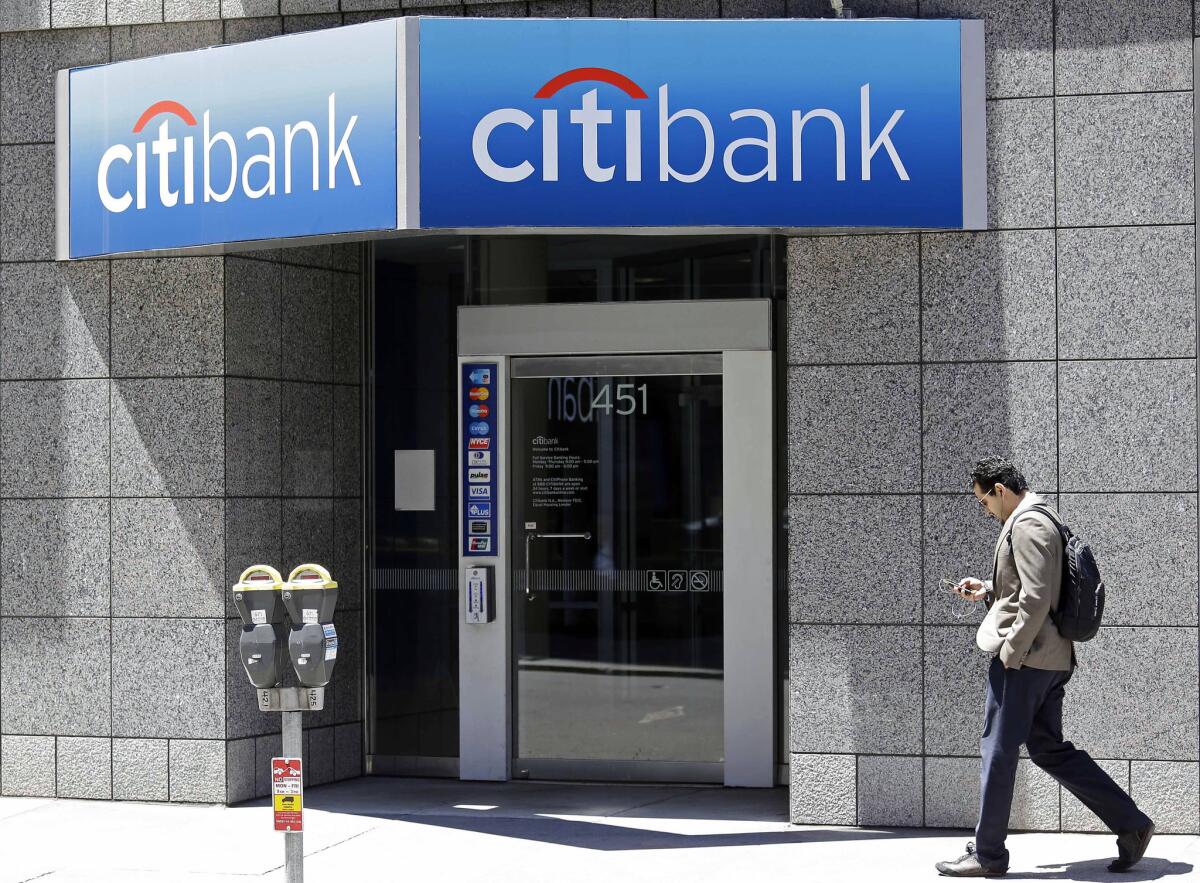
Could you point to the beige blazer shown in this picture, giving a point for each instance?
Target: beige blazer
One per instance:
(1025, 585)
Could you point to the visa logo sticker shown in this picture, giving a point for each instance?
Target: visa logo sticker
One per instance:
(478, 476)
(479, 458)
(479, 510)
(479, 492)
(479, 544)
(479, 444)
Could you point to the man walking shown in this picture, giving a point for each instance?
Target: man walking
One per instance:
(1031, 666)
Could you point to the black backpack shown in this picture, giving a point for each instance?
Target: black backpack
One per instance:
(1081, 599)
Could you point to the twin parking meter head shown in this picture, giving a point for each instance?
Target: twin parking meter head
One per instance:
(310, 596)
(258, 595)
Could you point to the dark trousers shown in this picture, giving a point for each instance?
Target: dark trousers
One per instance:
(1024, 706)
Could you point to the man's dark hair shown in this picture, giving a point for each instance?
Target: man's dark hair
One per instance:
(991, 471)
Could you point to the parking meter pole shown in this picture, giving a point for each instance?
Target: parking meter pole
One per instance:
(293, 841)
(307, 600)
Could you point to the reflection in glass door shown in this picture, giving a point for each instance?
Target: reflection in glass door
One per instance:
(617, 559)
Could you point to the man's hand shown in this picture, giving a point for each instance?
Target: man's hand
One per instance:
(970, 588)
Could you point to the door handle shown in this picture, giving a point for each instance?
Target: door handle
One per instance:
(532, 535)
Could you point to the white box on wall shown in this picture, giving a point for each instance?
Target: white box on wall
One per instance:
(414, 480)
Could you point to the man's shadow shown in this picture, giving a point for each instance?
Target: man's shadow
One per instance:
(1097, 870)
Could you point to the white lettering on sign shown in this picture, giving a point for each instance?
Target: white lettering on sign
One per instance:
(745, 159)
(571, 399)
(260, 166)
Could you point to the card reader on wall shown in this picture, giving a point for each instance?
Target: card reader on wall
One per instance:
(481, 594)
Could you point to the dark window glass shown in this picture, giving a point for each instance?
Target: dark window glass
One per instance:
(619, 623)
(414, 560)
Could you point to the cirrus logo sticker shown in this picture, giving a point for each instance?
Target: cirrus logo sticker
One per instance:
(745, 159)
(269, 156)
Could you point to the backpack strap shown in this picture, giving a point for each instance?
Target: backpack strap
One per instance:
(1064, 533)
(1049, 513)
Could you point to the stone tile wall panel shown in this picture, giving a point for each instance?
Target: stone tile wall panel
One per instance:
(54, 557)
(854, 430)
(140, 769)
(84, 768)
(1122, 47)
(988, 296)
(823, 790)
(868, 307)
(27, 766)
(889, 791)
(855, 559)
(54, 320)
(55, 676)
(833, 708)
(1127, 292)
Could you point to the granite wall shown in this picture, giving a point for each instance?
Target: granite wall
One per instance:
(1063, 337)
(163, 423)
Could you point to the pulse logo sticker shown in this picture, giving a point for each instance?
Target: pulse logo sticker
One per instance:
(761, 145)
(258, 176)
(479, 476)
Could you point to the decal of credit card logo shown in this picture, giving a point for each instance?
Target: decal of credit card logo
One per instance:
(480, 456)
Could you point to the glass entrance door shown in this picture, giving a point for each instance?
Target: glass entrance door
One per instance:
(617, 567)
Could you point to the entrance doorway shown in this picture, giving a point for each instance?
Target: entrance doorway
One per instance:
(422, 705)
(630, 536)
(617, 574)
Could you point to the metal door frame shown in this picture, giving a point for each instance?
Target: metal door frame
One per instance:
(740, 331)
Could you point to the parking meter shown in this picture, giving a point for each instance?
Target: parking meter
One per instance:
(265, 602)
(258, 595)
(310, 596)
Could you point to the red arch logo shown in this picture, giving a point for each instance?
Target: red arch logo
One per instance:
(164, 107)
(584, 74)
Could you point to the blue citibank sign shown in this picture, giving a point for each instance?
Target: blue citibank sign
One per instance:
(542, 124)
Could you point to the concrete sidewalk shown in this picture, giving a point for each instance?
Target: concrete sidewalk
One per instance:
(446, 831)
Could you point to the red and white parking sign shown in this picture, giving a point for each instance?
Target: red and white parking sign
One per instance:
(287, 793)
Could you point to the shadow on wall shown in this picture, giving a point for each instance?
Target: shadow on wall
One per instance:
(293, 453)
(912, 357)
(146, 427)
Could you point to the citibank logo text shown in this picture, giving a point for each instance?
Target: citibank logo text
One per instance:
(745, 159)
(257, 176)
